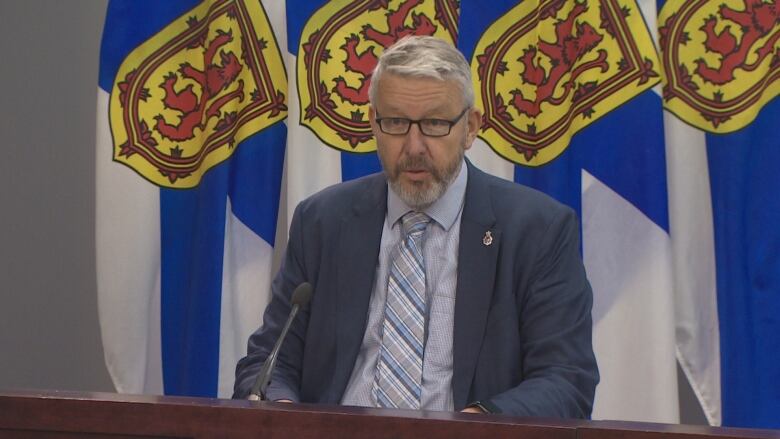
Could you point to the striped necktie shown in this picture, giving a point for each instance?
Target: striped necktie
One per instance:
(399, 367)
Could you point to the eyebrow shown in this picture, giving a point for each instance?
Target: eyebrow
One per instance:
(440, 110)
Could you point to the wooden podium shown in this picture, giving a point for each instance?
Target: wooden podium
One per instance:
(50, 415)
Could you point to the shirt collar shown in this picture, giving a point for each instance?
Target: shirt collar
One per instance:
(444, 211)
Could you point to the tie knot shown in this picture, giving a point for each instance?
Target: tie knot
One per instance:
(413, 224)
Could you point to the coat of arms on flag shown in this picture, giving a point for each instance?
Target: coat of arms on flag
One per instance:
(721, 61)
(546, 70)
(188, 95)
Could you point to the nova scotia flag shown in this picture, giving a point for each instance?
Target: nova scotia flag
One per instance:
(186, 212)
(607, 162)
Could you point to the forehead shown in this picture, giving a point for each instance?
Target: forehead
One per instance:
(416, 96)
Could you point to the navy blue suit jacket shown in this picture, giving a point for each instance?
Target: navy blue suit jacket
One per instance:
(522, 334)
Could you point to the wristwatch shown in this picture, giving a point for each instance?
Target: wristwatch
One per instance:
(485, 406)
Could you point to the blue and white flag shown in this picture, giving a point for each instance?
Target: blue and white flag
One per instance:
(190, 152)
(721, 79)
(566, 89)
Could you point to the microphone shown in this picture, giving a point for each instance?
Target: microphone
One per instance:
(300, 297)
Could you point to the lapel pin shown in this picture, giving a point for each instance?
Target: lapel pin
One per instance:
(488, 238)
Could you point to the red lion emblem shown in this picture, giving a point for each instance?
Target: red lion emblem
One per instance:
(721, 62)
(339, 49)
(186, 97)
(564, 52)
(214, 79)
(365, 62)
(756, 21)
(549, 68)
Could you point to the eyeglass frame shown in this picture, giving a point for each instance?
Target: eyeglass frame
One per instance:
(450, 124)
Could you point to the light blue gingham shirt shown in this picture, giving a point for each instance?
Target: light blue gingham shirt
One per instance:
(440, 251)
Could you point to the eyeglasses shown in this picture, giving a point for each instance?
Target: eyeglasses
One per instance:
(399, 126)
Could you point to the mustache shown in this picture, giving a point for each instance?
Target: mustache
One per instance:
(415, 163)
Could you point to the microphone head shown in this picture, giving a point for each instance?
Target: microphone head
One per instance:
(302, 294)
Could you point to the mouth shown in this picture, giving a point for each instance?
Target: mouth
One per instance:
(415, 174)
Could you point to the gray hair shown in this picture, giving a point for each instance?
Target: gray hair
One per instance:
(427, 57)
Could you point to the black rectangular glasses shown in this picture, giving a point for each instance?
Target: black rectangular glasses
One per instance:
(398, 126)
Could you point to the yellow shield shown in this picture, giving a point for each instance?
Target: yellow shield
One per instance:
(549, 68)
(185, 98)
(338, 52)
(721, 60)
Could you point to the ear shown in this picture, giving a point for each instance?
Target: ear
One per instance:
(474, 123)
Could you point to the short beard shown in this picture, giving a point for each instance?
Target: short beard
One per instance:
(417, 196)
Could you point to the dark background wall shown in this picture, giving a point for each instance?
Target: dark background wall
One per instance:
(49, 334)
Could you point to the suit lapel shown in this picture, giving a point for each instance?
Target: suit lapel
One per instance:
(477, 256)
(360, 235)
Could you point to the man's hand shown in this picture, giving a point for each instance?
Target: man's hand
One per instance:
(472, 410)
(286, 401)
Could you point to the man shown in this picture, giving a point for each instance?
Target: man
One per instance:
(436, 286)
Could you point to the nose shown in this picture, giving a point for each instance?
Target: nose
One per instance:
(415, 141)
